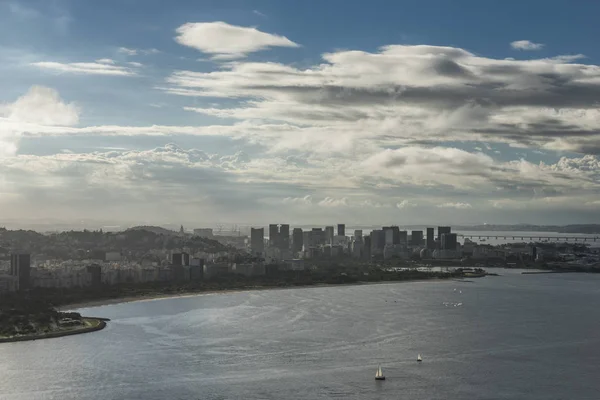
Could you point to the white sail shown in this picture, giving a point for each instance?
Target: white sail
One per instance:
(378, 374)
(419, 358)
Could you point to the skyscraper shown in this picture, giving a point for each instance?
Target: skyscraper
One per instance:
(448, 241)
(284, 237)
(442, 230)
(341, 230)
(403, 238)
(297, 240)
(431, 238)
(257, 241)
(20, 266)
(273, 235)
(416, 238)
(377, 241)
(392, 234)
(329, 235)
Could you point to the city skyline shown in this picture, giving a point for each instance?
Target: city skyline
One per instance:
(225, 112)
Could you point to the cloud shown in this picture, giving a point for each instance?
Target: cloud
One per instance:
(405, 204)
(526, 45)
(256, 12)
(95, 68)
(105, 61)
(226, 42)
(412, 95)
(331, 202)
(40, 105)
(135, 52)
(458, 206)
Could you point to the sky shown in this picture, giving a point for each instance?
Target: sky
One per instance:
(304, 112)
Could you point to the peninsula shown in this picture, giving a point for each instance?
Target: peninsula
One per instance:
(26, 318)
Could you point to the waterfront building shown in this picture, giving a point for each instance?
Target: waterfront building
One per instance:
(341, 230)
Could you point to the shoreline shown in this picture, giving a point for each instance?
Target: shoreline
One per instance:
(96, 324)
(158, 296)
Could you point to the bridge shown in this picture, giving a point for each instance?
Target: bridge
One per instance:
(533, 238)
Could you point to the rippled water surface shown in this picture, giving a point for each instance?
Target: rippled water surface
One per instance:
(513, 337)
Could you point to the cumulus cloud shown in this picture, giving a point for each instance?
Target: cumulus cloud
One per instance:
(526, 45)
(40, 105)
(413, 94)
(458, 206)
(87, 68)
(225, 42)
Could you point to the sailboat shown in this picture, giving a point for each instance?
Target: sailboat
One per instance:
(419, 359)
(379, 374)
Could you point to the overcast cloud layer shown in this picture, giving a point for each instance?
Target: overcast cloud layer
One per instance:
(405, 134)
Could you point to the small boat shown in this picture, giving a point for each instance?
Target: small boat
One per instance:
(379, 374)
(419, 359)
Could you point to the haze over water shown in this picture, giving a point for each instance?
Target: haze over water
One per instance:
(514, 337)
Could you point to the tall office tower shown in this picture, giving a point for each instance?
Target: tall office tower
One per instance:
(257, 241)
(377, 241)
(416, 238)
(403, 238)
(442, 230)
(307, 240)
(367, 250)
(358, 236)
(273, 235)
(329, 235)
(341, 230)
(297, 240)
(318, 237)
(431, 238)
(20, 266)
(284, 237)
(392, 234)
(448, 241)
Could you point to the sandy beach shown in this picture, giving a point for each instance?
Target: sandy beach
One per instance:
(153, 297)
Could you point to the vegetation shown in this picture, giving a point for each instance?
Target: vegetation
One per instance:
(77, 245)
(31, 315)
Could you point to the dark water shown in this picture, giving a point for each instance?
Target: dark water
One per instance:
(513, 337)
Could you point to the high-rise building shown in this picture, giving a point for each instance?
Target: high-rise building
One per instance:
(95, 272)
(329, 235)
(449, 241)
(273, 235)
(20, 266)
(403, 238)
(358, 235)
(257, 241)
(318, 237)
(392, 234)
(377, 241)
(341, 230)
(431, 238)
(367, 250)
(297, 240)
(180, 259)
(416, 238)
(442, 230)
(284, 237)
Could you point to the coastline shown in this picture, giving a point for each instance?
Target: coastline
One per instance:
(94, 325)
(159, 296)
